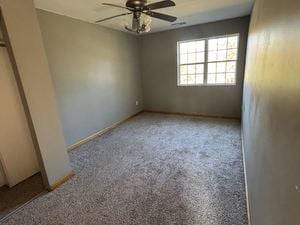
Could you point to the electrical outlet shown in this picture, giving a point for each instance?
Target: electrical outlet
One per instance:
(136, 103)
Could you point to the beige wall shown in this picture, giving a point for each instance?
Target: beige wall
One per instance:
(159, 72)
(95, 72)
(271, 117)
(2, 177)
(32, 74)
(17, 152)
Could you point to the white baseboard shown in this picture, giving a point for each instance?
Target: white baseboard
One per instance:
(99, 133)
(245, 175)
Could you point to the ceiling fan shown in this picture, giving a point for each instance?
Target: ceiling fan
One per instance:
(140, 9)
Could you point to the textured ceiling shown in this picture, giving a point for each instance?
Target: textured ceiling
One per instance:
(190, 11)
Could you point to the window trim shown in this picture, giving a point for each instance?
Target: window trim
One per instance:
(205, 63)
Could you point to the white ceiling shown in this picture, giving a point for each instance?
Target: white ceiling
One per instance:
(190, 11)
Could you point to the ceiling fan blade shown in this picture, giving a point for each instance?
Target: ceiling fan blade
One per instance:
(117, 6)
(102, 20)
(161, 16)
(160, 5)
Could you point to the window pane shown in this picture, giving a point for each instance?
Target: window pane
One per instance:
(212, 67)
(212, 56)
(192, 58)
(230, 78)
(233, 42)
(211, 78)
(183, 70)
(191, 47)
(231, 67)
(220, 78)
(183, 79)
(199, 79)
(221, 61)
(191, 79)
(221, 55)
(183, 59)
(232, 54)
(191, 69)
(200, 57)
(212, 44)
(183, 48)
(221, 67)
(199, 68)
(222, 43)
(200, 46)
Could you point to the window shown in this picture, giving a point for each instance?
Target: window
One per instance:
(210, 61)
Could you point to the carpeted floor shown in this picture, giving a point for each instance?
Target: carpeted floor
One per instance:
(154, 169)
(13, 198)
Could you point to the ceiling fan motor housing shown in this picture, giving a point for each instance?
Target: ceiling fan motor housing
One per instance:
(136, 4)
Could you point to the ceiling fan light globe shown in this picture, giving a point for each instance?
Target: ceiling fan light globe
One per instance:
(147, 19)
(147, 29)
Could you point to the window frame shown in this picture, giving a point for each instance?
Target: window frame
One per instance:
(205, 63)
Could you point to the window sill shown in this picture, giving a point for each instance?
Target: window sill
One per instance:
(206, 85)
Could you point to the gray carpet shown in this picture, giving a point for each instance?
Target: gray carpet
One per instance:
(153, 169)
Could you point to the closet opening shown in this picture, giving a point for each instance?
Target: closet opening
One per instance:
(20, 177)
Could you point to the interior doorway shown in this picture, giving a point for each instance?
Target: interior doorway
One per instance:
(20, 179)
